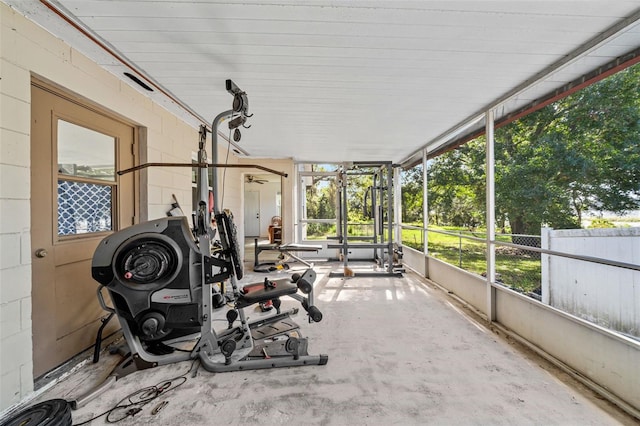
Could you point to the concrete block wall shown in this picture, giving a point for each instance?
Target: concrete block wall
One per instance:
(15, 261)
(28, 50)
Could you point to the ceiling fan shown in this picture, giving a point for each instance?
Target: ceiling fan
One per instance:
(253, 179)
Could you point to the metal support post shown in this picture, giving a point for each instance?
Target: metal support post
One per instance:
(397, 205)
(345, 219)
(375, 192)
(390, 218)
(214, 156)
(490, 216)
(425, 204)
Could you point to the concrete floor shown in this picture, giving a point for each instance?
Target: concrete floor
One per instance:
(401, 352)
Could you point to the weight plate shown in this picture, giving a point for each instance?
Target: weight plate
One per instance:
(54, 412)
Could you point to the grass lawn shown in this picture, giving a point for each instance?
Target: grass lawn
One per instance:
(517, 268)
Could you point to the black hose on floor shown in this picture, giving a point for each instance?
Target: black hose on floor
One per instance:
(54, 412)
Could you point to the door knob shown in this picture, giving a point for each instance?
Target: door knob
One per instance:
(41, 253)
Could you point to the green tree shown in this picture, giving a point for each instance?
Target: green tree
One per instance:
(412, 195)
(578, 154)
(456, 186)
(321, 203)
(357, 187)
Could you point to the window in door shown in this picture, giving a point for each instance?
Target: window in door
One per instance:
(86, 180)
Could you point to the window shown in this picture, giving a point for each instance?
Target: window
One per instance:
(86, 180)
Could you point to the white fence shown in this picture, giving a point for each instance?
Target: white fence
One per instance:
(605, 295)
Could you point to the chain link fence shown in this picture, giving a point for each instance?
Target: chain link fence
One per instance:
(519, 268)
(516, 267)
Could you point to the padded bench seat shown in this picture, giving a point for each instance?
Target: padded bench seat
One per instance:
(264, 291)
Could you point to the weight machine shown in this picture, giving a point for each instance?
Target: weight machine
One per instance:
(380, 194)
(161, 276)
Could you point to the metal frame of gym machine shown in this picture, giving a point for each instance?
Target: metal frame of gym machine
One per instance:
(210, 342)
(379, 189)
(230, 349)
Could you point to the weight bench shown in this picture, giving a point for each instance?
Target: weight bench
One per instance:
(283, 249)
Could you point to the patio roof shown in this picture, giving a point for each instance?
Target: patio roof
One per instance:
(332, 80)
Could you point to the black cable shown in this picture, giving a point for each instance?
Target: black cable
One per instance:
(144, 396)
(137, 400)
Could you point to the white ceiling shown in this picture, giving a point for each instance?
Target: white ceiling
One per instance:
(338, 80)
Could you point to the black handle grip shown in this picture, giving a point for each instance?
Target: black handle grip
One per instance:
(314, 313)
(304, 286)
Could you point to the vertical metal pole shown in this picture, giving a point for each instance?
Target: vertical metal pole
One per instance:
(425, 205)
(374, 210)
(397, 204)
(202, 187)
(202, 183)
(381, 196)
(345, 224)
(297, 202)
(208, 340)
(545, 259)
(214, 158)
(490, 216)
(339, 207)
(390, 218)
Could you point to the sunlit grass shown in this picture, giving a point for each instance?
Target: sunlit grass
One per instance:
(518, 269)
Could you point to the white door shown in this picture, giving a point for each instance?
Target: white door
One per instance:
(251, 213)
